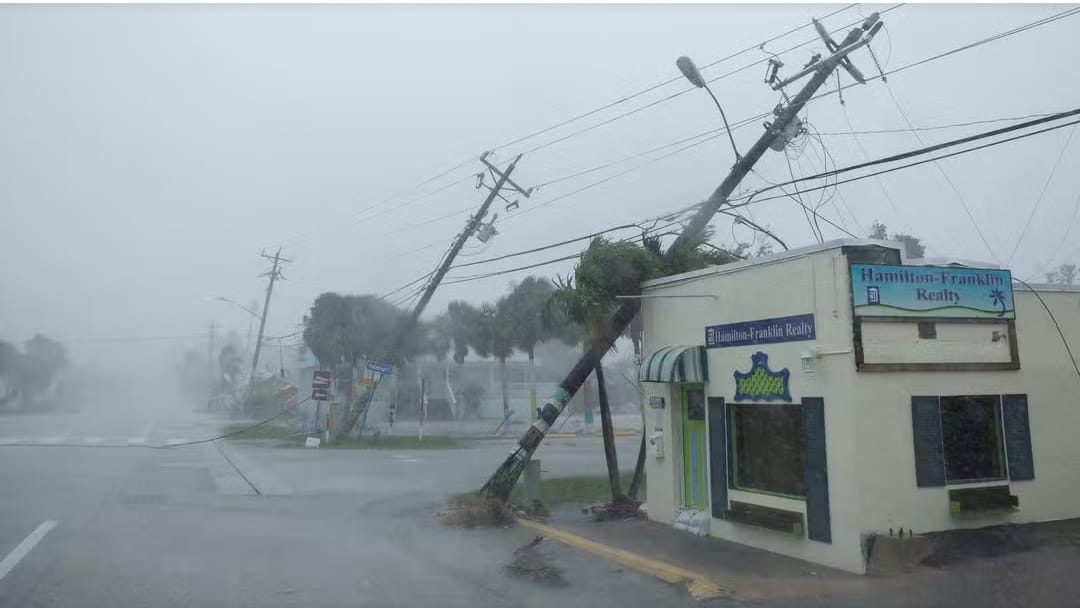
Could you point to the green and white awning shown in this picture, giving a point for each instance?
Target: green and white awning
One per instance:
(676, 364)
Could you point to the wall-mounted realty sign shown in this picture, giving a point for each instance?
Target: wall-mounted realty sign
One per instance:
(931, 291)
(763, 331)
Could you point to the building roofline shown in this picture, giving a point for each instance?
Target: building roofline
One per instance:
(791, 254)
(1042, 287)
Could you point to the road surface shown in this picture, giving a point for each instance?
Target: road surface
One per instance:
(228, 524)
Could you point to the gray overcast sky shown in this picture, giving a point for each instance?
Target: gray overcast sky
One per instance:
(150, 152)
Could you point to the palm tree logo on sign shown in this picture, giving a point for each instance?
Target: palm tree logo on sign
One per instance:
(761, 383)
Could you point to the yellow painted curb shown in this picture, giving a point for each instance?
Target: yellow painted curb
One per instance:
(561, 436)
(699, 586)
(625, 432)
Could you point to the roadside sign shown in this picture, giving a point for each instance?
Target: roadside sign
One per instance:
(385, 369)
(320, 386)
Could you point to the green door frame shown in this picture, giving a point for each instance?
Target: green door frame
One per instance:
(694, 459)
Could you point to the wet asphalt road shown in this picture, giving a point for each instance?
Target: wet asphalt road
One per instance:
(181, 527)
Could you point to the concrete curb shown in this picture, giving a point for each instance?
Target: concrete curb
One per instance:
(699, 586)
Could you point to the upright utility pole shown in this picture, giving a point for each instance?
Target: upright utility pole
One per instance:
(502, 481)
(211, 376)
(475, 225)
(274, 274)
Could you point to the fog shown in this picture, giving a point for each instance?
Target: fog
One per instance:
(151, 152)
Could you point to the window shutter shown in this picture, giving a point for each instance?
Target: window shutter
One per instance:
(1018, 438)
(929, 451)
(818, 524)
(718, 457)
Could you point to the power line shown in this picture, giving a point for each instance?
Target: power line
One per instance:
(974, 44)
(163, 446)
(714, 133)
(878, 181)
(592, 112)
(1042, 194)
(1064, 237)
(1053, 320)
(545, 247)
(654, 87)
(685, 91)
(476, 277)
(935, 147)
(1017, 30)
(954, 125)
(749, 200)
(941, 170)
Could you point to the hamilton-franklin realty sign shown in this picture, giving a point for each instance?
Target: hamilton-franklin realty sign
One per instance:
(931, 291)
(762, 331)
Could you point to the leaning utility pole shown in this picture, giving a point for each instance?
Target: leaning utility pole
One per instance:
(274, 274)
(502, 481)
(475, 225)
(502, 178)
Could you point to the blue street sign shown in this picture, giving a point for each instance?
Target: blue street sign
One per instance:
(385, 369)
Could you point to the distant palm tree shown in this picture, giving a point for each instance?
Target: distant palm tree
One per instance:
(526, 303)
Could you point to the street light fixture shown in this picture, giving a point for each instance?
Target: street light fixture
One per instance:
(238, 305)
(690, 71)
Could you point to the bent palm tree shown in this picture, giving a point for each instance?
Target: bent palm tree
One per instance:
(606, 270)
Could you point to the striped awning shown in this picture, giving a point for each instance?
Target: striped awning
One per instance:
(676, 364)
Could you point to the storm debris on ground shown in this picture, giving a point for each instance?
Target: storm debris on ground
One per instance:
(475, 510)
(532, 564)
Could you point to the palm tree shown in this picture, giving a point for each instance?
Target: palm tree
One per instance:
(500, 320)
(526, 303)
(606, 270)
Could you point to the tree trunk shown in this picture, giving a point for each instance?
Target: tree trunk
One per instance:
(532, 385)
(608, 432)
(505, 389)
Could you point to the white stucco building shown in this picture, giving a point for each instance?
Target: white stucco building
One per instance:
(804, 402)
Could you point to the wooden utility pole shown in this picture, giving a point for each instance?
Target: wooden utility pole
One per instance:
(274, 274)
(211, 376)
(475, 225)
(502, 179)
(502, 481)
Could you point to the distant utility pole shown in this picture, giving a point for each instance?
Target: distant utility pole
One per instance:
(274, 274)
(776, 134)
(211, 377)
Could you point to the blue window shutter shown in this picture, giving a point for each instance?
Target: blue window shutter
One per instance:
(718, 482)
(1018, 437)
(929, 450)
(818, 523)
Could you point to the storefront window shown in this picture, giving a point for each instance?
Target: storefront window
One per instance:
(767, 448)
(971, 433)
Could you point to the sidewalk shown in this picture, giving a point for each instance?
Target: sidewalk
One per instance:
(1030, 565)
(741, 572)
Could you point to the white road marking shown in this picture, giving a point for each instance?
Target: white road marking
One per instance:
(136, 440)
(175, 441)
(53, 440)
(410, 460)
(92, 440)
(25, 547)
(9, 440)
